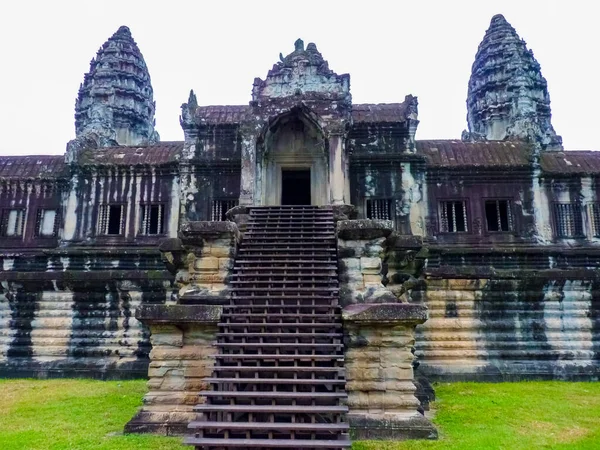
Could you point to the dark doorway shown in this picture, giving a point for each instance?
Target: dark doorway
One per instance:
(295, 187)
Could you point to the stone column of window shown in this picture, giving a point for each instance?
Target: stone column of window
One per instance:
(337, 170)
(248, 173)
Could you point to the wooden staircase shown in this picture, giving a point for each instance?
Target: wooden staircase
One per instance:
(279, 381)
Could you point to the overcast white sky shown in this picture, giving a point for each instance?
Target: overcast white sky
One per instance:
(390, 48)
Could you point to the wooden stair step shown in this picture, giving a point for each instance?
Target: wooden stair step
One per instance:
(277, 369)
(277, 344)
(271, 381)
(268, 443)
(313, 409)
(270, 426)
(278, 325)
(277, 357)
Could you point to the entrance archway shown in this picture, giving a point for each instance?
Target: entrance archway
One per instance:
(294, 162)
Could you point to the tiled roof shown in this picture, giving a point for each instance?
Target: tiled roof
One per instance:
(152, 155)
(363, 113)
(570, 162)
(379, 113)
(457, 154)
(28, 167)
(222, 114)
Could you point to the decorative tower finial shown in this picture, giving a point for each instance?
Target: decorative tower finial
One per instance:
(192, 100)
(115, 101)
(508, 96)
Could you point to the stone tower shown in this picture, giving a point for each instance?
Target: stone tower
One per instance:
(508, 96)
(115, 103)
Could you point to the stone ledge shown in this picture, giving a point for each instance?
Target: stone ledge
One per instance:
(85, 275)
(237, 210)
(406, 242)
(202, 299)
(364, 229)
(343, 212)
(484, 272)
(141, 426)
(206, 229)
(175, 314)
(372, 427)
(385, 313)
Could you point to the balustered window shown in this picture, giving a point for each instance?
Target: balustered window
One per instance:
(453, 216)
(152, 219)
(13, 222)
(594, 212)
(46, 223)
(111, 219)
(568, 220)
(498, 215)
(380, 208)
(220, 207)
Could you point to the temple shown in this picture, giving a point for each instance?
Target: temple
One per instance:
(302, 265)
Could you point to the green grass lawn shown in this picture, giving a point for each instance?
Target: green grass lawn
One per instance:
(85, 414)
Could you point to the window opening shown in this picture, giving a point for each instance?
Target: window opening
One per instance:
(594, 211)
(220, 207)
(110, 219)
(454, 216)
(14, 220)
(46, 223)
(568, 220)
(380, 208)
(498, 216)
(153, 218)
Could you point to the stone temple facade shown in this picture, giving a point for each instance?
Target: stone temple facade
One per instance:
(491, 242)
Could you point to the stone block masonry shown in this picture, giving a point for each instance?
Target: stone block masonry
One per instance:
(362, 246)
(379, 335)
(183, 341)
(202, 260)
(379, 371)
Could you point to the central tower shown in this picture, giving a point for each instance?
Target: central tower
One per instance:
(293, 146)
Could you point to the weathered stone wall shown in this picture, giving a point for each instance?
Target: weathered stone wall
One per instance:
(77, 322)
(506, 326)
(93, 186)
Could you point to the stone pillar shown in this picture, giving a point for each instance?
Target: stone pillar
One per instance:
(379, 337)
(183, 353)
(337, 170)
(362, 247)
(248, 174)
(202, 260)
(379, 374)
